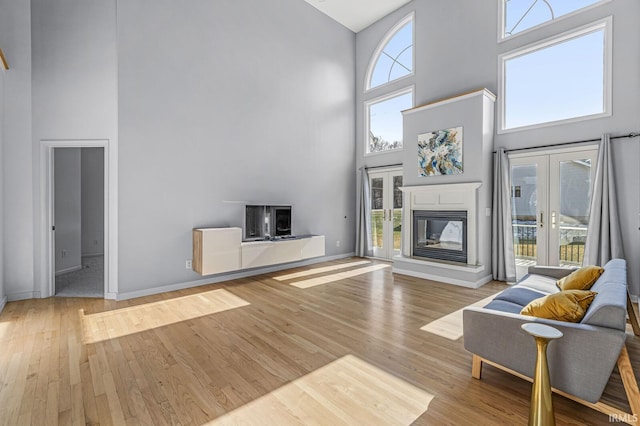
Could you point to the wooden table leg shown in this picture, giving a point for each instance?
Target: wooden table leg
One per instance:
(633, 316)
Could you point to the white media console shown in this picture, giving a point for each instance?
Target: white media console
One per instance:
(218, 250)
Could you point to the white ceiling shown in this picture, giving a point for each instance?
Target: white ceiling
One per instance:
(357, 14)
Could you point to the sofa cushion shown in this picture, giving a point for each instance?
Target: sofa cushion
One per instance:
(519, 295)
(504, 306)
(540, 283)
(580, 279)
(515, 298)
(568, 305)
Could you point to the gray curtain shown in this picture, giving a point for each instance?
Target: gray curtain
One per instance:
(363, 225)
(604, 239)
(503, 263)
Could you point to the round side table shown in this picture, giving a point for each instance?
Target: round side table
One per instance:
(541, 411)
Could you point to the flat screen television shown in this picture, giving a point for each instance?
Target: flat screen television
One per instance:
(263, 222)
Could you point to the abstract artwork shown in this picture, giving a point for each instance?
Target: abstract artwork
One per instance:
(440, 152)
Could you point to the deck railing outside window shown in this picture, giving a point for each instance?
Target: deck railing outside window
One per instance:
(571, 248)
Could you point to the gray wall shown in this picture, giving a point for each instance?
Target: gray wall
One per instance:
(456, 51)
(17, 166)
(229, 101)
(68, 209)
(92, 189)
(74, 69)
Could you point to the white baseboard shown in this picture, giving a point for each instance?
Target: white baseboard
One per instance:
(469, 284)
(23, 296)
(67, 270)
(634, 298)
(3, 303)
(442, 265)
(226, 277)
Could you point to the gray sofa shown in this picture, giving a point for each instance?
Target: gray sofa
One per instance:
(581, 362)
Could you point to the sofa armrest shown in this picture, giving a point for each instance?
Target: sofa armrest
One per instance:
(580, 363)
(556, 272)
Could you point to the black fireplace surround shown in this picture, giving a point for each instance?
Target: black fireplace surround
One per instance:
(440, 235)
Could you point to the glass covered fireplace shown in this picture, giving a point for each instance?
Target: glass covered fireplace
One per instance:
(440, 235)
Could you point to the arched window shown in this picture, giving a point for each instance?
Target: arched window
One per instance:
(393, 58)
(522, 15)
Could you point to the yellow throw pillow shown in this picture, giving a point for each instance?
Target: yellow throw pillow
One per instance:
(580, 279)
(568, 305)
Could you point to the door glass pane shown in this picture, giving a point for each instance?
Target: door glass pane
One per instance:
(397, 211)
(377, 212)
(523, 211)
(575, 184)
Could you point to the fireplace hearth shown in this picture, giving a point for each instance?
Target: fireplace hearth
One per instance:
(440, 235)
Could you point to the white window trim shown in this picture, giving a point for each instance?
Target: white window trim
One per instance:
(369, 102)
(376, 54)
(502, 13)
(586, 147)
(605, 24)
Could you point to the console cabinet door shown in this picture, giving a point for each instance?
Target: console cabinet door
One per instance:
(216, 250)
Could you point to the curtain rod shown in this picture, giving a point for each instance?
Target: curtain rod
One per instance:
(630, 135)
(381, 167)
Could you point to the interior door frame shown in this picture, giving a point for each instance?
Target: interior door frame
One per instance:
(47, 239)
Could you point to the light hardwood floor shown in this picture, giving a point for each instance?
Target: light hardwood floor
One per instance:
(338, 342)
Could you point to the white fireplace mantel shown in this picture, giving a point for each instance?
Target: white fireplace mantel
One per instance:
(455, 197)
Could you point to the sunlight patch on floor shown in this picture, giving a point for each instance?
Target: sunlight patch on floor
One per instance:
(450, 326)
(312, 282)
(4, 328)
(348, 391)
(134, 319)
(321, 270)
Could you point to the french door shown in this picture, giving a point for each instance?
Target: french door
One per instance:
(386, 212)
(550, 196)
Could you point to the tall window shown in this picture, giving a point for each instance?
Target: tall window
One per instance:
(384, 120)
(559, 79)
(521, 15)
(391, 61)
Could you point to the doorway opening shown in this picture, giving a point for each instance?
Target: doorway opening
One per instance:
(78, 225)
(550, 196)
(386, 212)
(103, 158)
